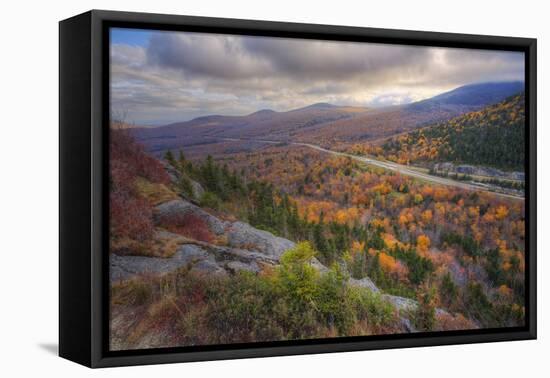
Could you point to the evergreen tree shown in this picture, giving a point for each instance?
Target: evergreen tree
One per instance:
(319, 238)
(449, 290)
(375, 240)
(169, 157)
(424, 318)
(182, 162)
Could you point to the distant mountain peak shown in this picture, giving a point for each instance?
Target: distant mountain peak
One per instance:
(479, 92)
(263, 112)
(317, 106)
(321, 105)
(471, 95)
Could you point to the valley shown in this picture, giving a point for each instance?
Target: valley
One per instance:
(412, 171)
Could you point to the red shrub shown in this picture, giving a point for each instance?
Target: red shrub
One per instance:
(189, 225)
(130, 215)
(124, 150)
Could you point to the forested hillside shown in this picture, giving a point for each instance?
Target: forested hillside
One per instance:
(492, 137)
(409, 237)
(325, 124)
(231, 249)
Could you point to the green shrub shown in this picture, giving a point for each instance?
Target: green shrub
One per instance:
(424, 316)
(210, 200)
(370, 306)
(334, 301)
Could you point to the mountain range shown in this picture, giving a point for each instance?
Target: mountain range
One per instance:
(324, 123)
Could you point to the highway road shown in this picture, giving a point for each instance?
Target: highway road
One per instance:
(399, 168)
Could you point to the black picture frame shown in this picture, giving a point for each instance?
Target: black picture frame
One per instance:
(83, 196)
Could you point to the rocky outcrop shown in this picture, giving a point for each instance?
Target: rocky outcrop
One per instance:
(197, 256)
(178, 208)
(125, 267)
(406, 309)
(239, 234)
(243, 235)
(401, 303)
(197, 189)
(175, 176)
(366, 283)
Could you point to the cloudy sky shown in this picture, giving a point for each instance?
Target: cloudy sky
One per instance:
(163, 77)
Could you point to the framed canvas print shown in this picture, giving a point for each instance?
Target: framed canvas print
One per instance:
(233, 188)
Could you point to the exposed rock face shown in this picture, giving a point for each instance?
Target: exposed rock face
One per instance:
(317, 265)
(242, 235)
(200, 257)
(239, 234)
(172, 172)
(179, 207)
(365, 282)
(247, 247)
(175, 176)
(401, 303)
(124, 267)
(198, 190)
(237, 266)
(405, 308)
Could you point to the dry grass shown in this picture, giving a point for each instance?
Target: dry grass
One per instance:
(154, 193)
(161, 245)
(448, 322)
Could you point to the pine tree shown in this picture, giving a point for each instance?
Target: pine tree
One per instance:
(169, 157)
(425, 312)
(182, 162)
(209, 173)
(374, 270)
(375, 241)
(449, 290)
(319, 239)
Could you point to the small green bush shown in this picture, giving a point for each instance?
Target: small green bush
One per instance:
(210, 200)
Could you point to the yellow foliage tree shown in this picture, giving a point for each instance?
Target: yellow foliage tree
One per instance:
(501, 212)
(426, 216)
(423, 243)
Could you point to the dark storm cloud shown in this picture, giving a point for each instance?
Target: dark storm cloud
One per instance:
(235, 58)
(178, 76)
(332, 60)
(209, 55)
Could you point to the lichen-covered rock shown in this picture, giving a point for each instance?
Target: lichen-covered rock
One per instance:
(179, 207)
(317, 265)
(197, 189)
(124, 267)
(238, 266)
(365, 282)
(207, 266)
(197, 256)
(242, 235)
(175, 177)
(401, 303)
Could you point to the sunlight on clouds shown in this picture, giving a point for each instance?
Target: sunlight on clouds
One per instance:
(176, 76)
